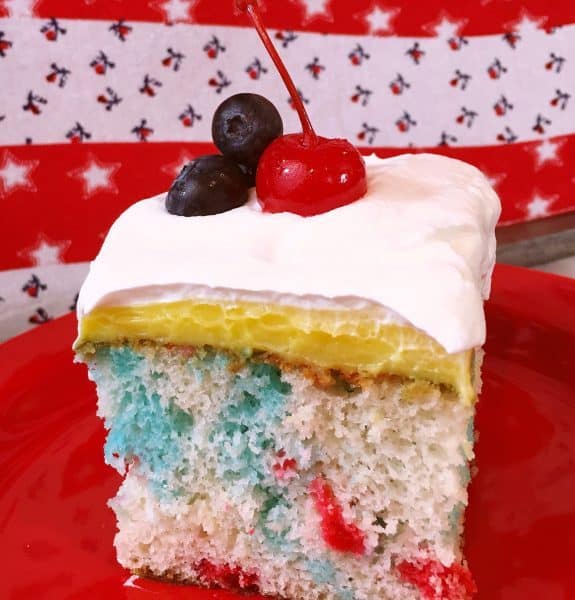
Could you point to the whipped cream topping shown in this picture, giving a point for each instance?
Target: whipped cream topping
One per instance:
(419, 247)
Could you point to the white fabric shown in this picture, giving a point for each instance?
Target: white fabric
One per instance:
(430, 101)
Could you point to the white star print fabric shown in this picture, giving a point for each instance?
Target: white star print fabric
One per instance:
(16, 174)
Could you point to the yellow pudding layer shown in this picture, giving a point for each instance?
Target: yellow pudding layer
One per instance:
(350, 340)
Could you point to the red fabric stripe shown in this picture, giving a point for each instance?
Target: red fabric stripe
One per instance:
(482, 17)
(61, 213)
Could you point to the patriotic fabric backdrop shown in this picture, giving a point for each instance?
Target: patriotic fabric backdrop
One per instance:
(103, 101)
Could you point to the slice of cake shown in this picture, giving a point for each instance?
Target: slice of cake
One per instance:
(288, 376)
(291, 399)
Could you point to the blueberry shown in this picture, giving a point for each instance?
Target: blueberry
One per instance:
(249, 174)
(207, 186)
(244, 125)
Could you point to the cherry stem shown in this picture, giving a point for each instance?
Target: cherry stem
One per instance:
(251, 6)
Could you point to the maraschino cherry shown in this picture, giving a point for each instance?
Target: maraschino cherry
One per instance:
(304, 173)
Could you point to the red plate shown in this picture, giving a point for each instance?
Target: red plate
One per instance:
(57, 531)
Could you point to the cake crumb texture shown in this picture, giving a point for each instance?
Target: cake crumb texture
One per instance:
(242, 473)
